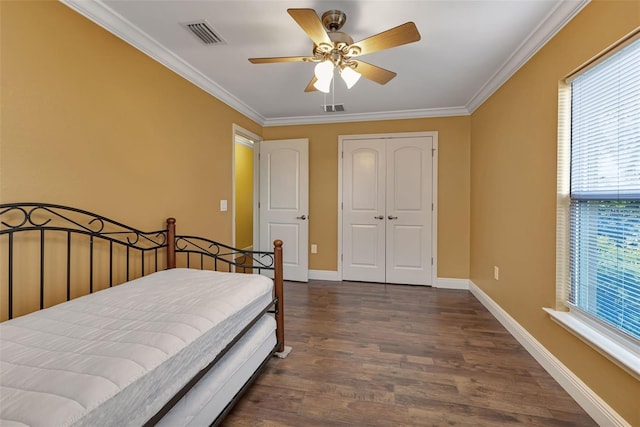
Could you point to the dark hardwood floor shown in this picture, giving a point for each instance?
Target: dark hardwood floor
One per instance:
(367, 354)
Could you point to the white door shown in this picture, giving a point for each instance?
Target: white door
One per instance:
(408, 202)
(284, 203)
(387, 202)
(363, 207)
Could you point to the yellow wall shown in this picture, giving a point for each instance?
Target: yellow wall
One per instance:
(453, 185)
(244, 196)
(91, 122)
(513, 194)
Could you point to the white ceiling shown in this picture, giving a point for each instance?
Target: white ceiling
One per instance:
(468, 49)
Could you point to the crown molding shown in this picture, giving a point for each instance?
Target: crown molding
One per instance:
(549, 27)
(366, 117)
(107, 18)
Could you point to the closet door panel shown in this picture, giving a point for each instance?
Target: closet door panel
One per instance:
(363, 223)
(408, 206)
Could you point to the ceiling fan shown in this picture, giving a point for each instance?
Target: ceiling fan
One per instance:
(334, 49)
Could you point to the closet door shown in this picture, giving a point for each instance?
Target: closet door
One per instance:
(408, 211)
(363, 210)
(386, 211)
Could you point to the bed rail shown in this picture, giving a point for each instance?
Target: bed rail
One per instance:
(202, 253)
(50, 252)
(58, 253)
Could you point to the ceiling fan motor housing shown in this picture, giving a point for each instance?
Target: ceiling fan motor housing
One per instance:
(333, 20)
(340, 37)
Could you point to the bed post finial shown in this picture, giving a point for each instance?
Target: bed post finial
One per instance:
(278, 282)
(171, 243)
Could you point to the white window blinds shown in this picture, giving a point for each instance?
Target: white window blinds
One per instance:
(604, 217)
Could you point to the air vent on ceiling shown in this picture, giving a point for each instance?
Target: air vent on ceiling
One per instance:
(333, 108)
(203, 31)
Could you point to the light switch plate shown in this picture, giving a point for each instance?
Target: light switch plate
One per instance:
(223, 205)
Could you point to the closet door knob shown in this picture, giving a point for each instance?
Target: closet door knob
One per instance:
(392, 217)
(379, 217)
(303, 217)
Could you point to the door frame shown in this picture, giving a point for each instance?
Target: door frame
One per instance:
(434, 191)
(238, 130)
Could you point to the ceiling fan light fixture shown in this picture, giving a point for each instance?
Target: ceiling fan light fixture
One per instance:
(323, 85)
(324, 75)
(324, 71)
(335, 49)
(350, 76)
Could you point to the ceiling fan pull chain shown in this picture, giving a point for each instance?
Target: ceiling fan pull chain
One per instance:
(333, 89)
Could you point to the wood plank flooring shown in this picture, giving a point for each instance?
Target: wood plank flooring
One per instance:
(367, 354)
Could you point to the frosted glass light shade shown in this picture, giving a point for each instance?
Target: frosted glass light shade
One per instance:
(323, 85)
(324, 75)
(350, 76)
(324, 70)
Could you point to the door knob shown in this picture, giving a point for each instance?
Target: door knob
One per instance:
(303, 217)
(392, 217)
(379, 217)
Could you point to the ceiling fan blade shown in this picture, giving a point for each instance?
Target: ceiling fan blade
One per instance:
(280, 59)
(371, 72)
(311, 24)
(397, 36)
(310, 87)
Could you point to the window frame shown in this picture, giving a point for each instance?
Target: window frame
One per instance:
(616, 346)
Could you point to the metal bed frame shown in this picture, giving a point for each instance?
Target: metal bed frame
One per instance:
(137, 252)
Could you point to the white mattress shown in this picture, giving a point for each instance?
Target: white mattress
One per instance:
(116, 356)
(210, 396)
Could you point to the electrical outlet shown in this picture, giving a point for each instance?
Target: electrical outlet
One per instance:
(314, 249)
(496, 272)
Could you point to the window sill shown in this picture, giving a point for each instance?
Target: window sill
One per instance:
(625, 355)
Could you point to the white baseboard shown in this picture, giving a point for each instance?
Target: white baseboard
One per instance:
(597, 408)
(324, 275)
(441, 282)
(447, 283)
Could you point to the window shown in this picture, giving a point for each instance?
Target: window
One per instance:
(604, 218)
(599, 206)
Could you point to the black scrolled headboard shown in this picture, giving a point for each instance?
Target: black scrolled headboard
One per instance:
(83, 252)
